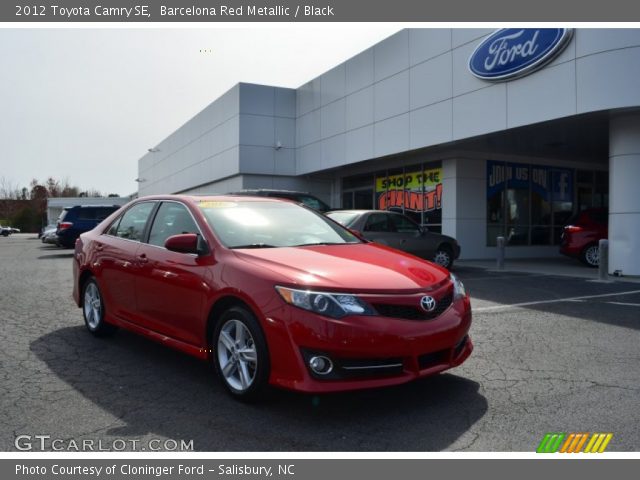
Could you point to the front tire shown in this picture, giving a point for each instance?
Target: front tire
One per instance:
(591, 255)
(93, 310)
(240, 354)
(443, 257)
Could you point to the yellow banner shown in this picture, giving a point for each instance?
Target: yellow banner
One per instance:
(410, 181)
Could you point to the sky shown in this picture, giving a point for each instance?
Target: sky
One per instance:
(86, 103)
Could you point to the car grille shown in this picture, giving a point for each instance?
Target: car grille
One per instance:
(408, 312)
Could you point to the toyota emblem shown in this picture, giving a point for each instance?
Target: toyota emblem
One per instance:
(428, 303)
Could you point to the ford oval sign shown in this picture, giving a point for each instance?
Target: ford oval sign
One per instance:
(514, 52)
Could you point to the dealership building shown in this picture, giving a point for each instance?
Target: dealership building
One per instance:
(472, 132)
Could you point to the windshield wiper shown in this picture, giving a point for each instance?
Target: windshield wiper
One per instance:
(254, 245)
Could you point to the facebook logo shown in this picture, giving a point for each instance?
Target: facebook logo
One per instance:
(562, 181)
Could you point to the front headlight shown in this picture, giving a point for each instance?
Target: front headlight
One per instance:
(334, 305)
(458, 287)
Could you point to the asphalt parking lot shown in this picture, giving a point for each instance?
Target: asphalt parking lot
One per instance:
(552, 354)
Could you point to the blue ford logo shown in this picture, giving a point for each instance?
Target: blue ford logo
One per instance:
(428, 303)
(514, 52)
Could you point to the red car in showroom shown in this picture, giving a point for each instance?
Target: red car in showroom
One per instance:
(272, 293)
(582, 233)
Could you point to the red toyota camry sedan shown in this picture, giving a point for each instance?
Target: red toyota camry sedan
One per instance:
(272, 293)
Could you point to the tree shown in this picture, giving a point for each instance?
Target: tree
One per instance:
(26, 219)
(8, 189)
(53, 187)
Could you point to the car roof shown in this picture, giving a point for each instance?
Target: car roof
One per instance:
(229, 197)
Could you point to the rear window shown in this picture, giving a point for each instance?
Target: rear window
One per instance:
(95, 213)
(62, 215)
(343, 218)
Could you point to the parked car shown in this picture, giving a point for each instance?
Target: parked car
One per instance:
(272, 293)
(5, 231)
(46, 229)
(14, 230)
(582, 233)
(399, 231)
(305, 198)
(48, 234)
(79, 219)
(51, 238)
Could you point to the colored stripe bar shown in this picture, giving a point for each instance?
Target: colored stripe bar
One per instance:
(543, 444)
(581, 443)
(568, 443)
(605, 442)
(594, 437)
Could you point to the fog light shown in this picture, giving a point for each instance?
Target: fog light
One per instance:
(321, 365)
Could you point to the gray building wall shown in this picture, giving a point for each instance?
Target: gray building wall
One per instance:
(414, 90)
(403, 95)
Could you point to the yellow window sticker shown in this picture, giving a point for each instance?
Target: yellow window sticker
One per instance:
(216, 204)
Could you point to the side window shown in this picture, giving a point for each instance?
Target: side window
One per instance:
(113, 228)
(403, 224)
(86, 213)
(377, 222)
(132, 224)
(171, 219)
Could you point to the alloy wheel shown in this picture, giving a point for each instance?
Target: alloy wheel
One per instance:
(442, 258)
(237, 356)
(592, 256)
(92, 306)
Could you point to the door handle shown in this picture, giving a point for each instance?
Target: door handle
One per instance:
(142, 258)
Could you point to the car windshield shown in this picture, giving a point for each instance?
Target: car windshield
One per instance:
(343, 218)
(255, 224)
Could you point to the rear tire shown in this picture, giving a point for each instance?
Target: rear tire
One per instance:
(240, 354)
(93, 310)
(443, 256)
(591, 255)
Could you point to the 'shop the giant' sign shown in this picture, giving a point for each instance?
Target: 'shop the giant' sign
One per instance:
(513, 52)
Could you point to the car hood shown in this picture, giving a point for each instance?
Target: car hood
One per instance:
(350, 267)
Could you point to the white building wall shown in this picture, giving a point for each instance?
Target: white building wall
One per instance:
(203, 150)
(624, 203)
(414, 90)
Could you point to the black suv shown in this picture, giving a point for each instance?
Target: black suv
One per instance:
(79, 219)
(305, 198)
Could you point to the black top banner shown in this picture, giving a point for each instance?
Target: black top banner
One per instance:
(319, 11)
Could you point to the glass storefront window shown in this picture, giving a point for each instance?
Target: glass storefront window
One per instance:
(530, 204)
(414, 190)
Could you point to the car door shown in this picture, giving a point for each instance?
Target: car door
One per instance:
(379, 229)
(410, 236)
(116, 258)
(170, 286)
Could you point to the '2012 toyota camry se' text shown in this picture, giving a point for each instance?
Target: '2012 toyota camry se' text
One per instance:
(272, 293)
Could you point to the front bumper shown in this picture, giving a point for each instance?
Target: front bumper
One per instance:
(367, 352)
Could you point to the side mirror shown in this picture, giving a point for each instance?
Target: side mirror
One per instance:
(187, 243)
